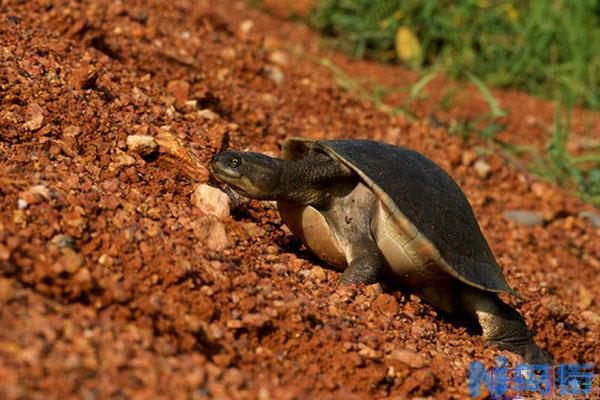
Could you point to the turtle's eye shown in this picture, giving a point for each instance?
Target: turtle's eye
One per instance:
(234, 162)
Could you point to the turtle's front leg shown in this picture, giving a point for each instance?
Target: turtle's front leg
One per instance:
(364, 264)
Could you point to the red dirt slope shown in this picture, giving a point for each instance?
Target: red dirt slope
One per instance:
(114, 285)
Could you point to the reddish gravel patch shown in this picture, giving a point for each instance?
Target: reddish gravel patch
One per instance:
(114, 285)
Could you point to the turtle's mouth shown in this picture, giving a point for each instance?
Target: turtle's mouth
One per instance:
(250, 174)
(224, 172)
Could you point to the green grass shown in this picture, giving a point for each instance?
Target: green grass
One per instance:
(548, 48)
(376, 95)
(578, 173)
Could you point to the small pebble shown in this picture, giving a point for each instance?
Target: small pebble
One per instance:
(7, 292)
(234, 324)
(211, 201)
(70, 262)
(279, 57)
(62, 241)
(387, 305)
(229, 53)
(318, 273)
(275, 74)
(217, 237)
(263, 394)
(408, 357)
(35, 117)
(524, 217)
(34, 195)
(121, 159)
(139, 97)
(591, 216)
(246, 26)
(179, 89)
(84, 277)
(255, 320)
(556, 307)
(105, 260)
(367, 352)
(373, 290)
(468, 157)
(592, 317)
(72, 131)
(234, 378)
(144, 145)
(482, 169)
(208, 114)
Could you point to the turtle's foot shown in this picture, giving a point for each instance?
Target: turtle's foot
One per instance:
(503, 326)
(365, 264)
(363, 270)
(352, 276)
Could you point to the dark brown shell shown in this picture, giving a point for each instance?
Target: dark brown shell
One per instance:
(416, 189)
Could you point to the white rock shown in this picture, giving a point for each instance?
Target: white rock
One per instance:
(142, 144)
(593, 217)
(279, 57)
(139, 97)
(121, 159)
(482, 169)
(211, 201)
(35, 117)
(35, 122)
(524, 217)
(275, 74)
(22, 204)
(246, 26)
(33, 195)
(208, 114)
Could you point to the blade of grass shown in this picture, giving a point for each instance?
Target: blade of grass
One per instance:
(495, 110)
(416, 89)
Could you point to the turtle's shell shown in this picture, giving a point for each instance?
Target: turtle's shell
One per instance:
(418, 192)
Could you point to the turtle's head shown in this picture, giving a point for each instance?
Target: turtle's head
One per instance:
(251, 174)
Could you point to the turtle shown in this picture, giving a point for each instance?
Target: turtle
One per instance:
(384, 213)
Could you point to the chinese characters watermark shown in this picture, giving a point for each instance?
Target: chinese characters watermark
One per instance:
(503, 382)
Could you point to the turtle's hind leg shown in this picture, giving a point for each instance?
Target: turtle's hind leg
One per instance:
(503, 326)
(365, 264)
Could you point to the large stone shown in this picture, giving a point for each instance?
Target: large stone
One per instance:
(211, 201)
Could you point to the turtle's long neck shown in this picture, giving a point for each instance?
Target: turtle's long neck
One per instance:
(306, 181)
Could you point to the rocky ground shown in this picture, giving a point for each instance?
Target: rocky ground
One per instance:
(124, 276)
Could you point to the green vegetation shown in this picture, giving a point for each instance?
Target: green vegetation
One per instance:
(352, 85)
(547, 48)
(578, 172)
